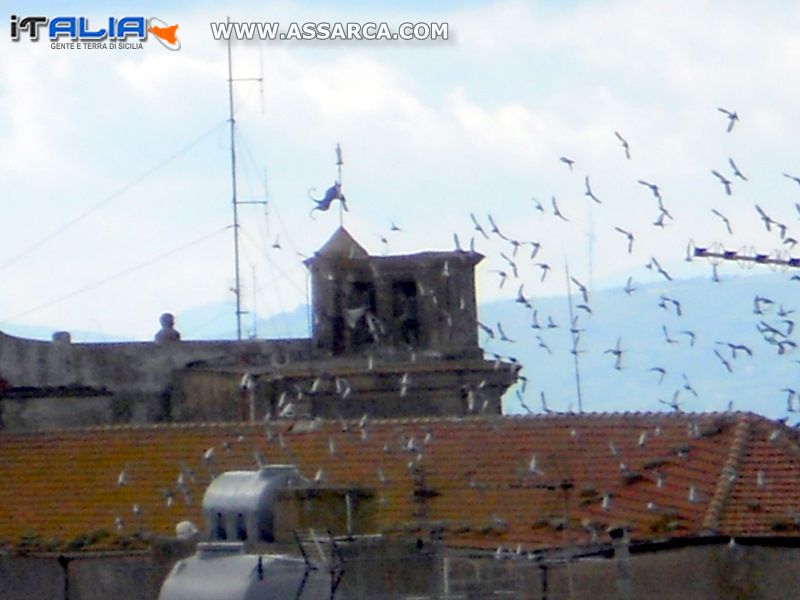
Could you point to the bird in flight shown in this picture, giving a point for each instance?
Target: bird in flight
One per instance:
(543, 344)
(583, 289)
(791, 395)
(521, 299)
(723, 180)
(628, 235)
(725, 363)
(734, 348)
(567, 161)
(557, 212)
(659, 222)
(688, 386)
(503, 336)
(732, 117)
(691, 336)
(662, 214)
(503, 276)
(589, 191)
(456, 242)
(629, 289)
(512, 264)
(794, 178)
(653, 188)
(664, 302)
(668, 339)
(617, 352)
(736, 171)
(625, 144)
(486, 329)
(545, 268)
(495, 228)
(758, 301)
(662, 372)
(478, 226)
(724, 219)
(673, 404)
(765, 218)
(545, 409)
(654, 264)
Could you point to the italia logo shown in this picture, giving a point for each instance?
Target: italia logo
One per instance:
(112, 30)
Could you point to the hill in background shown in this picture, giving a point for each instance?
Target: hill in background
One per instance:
(715, 313)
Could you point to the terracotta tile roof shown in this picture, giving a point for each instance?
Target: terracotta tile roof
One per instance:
(541, 481)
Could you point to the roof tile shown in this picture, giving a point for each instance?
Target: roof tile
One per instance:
(537, 481)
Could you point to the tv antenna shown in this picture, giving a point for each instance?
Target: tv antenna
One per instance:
(575, 339)
(237, 290)
(746, 256)
(590, 240)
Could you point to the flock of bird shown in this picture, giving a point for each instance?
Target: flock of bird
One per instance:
(524, 270)
(524, 263)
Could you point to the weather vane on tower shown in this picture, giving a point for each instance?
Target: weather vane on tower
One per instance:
(332, 193)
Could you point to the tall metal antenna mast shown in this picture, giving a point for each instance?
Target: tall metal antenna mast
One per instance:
(574, 340)
(232, 120)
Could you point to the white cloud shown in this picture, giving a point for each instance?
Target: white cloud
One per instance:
(474, 125)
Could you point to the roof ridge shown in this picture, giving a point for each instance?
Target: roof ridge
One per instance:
(727, 475)
(410, 420)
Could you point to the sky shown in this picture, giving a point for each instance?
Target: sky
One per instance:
(115, 164)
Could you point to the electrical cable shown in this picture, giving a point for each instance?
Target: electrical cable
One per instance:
(128, 271)
(59, 230)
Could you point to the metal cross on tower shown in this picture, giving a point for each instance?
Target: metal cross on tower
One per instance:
(339, 164)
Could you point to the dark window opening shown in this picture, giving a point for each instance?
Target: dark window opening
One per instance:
(337, 323)
(337, 333)
(360, 317)
(265, 532)
(241, 530)
(405, 311)
(219, 530)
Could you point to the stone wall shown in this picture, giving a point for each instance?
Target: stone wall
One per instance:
(708, 572)
(379, 568)
(125, 382)
(121, 366)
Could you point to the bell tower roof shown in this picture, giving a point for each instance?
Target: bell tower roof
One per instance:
(342, 244)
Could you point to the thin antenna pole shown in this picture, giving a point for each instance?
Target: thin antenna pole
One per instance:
(254, 335)
(261, 74)
(237, 288)
(266, 200)
(591, 239)
(339, 164)
(231, 119)
(574, 339)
